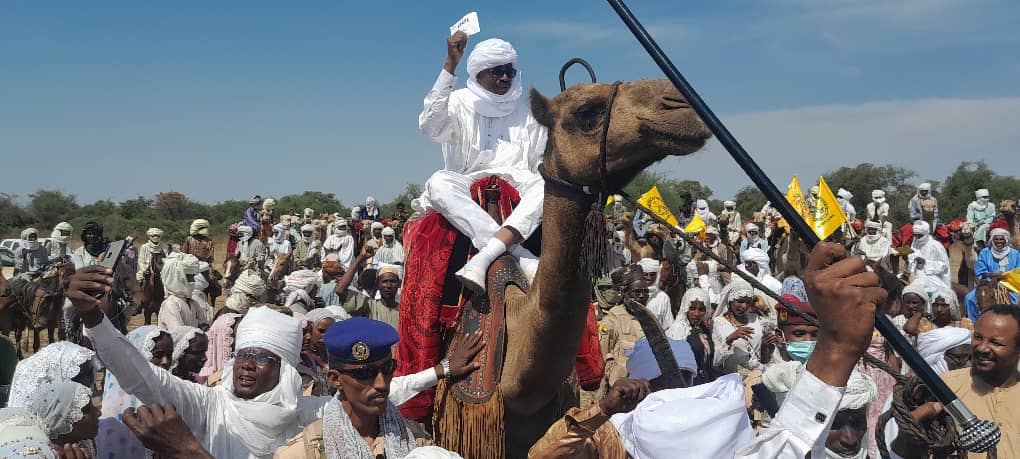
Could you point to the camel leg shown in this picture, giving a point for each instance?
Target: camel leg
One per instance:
(35, 339)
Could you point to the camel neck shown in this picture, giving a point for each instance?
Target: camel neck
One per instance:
(562, 232)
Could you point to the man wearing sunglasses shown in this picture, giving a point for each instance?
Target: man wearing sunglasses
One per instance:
(486, 129)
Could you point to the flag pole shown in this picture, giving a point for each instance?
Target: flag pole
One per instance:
(978, 435)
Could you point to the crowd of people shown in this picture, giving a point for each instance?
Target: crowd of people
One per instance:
(298, 360)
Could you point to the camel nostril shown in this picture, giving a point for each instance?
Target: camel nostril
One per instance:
(673, 101)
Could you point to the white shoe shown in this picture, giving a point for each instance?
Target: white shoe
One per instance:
(472, 276)
(530, 268)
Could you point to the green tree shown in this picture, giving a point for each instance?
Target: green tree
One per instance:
(13, 217)
(749, 200)
(958, 189)
(49, 207)
(172, 205)
(861, 179)
(411, 191)
(321, 203)
(103, 207)
(140, 207)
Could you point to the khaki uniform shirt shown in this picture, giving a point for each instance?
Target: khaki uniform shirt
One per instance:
(996, 404)
(581, 434)
(309, 444)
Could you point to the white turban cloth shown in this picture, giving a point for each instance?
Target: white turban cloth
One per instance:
(388, 231)
(249, 282)
(27, 233)
(153, 232)
(932, 345)
(918, 288)
(877, 194)
(922, 233)
(681, 327)
(1004, 252)
(198, 225)
(299, 286)
(649, 265)
(641, 363)
(182, 337)
(738, 288)
(176, 267)
(486, 55)
(729, 203)
(56, 234)
(950, 297)
(924, 187)
(309, 213)
(315, 315)
(675, 422)
(244, 233)
(59, 405)
(270, 330)
(845, 194)
(982, 193)
(57, 362)
(377, 225)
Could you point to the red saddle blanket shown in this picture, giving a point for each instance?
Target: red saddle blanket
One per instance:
(432, 297)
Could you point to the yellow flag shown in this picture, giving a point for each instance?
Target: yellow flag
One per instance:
(795, 196)
(697, 225)
(653, 201)
(1011, 280)
(829, 214)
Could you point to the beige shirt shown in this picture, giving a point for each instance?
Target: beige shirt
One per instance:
(996, 404)
(359, 305)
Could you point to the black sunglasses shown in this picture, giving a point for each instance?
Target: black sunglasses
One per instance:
(498, 72)
(367, 373)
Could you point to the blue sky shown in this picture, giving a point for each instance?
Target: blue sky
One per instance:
(220, 100)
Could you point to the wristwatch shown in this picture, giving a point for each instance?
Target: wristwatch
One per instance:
(445, 363)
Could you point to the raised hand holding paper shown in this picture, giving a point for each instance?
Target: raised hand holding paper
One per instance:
(467, 24)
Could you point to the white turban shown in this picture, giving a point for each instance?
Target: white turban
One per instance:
(924, 187)
(738, 288)
(921, 227)
(872, 224)
(750, 227)
(153, 232)
(249, 282)
(269, 204)
(950, 297)
(56, 234)
(198, 225)
(59, 405)
(712, 230)
(309, 213)
(932, 345)
(681, 327)
(676, 422)
(244, 230)
(182, 336)
(315, 315)
(176, 267)
(917, 288)
(999, 232)
(982, 193)
(28, 232)
(307, 228)
(649, 265)
(377, 225)
(845, 194)
(729, 203)
(270, 330)
(641, 363)
(756, 255)
(486, 55)
(388, 231)
(304, 279)
(877, 193)
(340, 222)
(701, 204)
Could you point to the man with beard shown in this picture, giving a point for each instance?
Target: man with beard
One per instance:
(57, 245)
(989, 387)
(198, 243)
(486, 130)
(153, 246)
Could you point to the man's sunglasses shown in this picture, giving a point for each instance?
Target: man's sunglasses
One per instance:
(498, 72)
(370, 372)
(261, 359)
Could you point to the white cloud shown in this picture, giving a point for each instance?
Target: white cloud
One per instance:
(930, 136)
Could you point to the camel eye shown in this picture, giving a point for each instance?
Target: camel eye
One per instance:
(586, 117)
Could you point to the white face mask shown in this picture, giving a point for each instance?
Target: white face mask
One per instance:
(244, 237)
(155, 239)
(31, 245)
(307, 239)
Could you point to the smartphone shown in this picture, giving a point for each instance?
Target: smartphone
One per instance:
(111, 258)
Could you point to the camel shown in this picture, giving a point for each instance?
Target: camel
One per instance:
(963, 254)
(649, 121)
(1007, 211)
(150, 296)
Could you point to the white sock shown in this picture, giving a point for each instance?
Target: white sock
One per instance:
(520, 252)
(488, 254)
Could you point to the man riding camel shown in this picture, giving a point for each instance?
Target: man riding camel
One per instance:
(30, 258)
(486, 129)
(153, 246)
(198, 243)
(57, 245)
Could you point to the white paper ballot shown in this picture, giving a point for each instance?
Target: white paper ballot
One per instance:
(468, 24)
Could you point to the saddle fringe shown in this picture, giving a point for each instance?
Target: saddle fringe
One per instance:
(473, 430)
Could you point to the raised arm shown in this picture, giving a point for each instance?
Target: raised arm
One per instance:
(136, 375)
(435, 120)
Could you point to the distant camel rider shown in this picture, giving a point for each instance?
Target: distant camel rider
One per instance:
(486, 130)
(198, 243)
(916, 208)
(248, 247)
(153, 246)
(30, 258)
(251, 214)
(57, 245)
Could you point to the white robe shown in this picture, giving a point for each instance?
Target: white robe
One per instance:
(343, 246)
(392, 255)
(936, 262)
(207, 410)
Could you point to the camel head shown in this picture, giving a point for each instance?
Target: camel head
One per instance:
(649, 121)
(967, 232)
(1007, 207)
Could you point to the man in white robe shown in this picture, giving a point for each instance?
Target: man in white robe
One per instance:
(878, 210)
(153, 246)
(486, 130)
(341, 242)
(701, 207)
(929, 258)
(981, 213)
(30, 257)
(391, 252)
(57, 245)
(659, 303)
(249, 247)
(735, 224)
(915, 208)
(874, 246)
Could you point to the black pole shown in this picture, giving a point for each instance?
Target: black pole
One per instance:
(907, 352)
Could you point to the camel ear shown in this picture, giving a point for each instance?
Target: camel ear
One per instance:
(540, 109)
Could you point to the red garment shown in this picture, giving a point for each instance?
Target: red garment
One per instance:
(589, 364)
(1001, 224)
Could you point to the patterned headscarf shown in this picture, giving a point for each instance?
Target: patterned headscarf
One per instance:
(57, 362)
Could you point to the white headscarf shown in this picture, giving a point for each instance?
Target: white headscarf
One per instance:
(752, 227)
(486, 55)
(932, 345)
(917, 288)
(27, 244)
(244, 233)
(299, 286)
(264, 423)
(176, 267)
(673, 423)
(950, 297)
(279, 233)
(759, 257)
(432, 452)
(922, 234)
(860, 392)
(317, 314)
(681, 327)
(999, 254)
(739, 288)
(702, 207)
(58, 236)
(249, 282)
(57, 362)
(199, 226)
(182, 337)
(878, 196)
(981, 199)
(23, 435)
(340, 227)
(59, 405)
(307, 239)
(872, 239)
